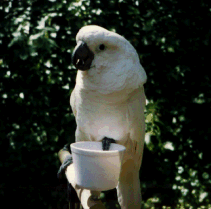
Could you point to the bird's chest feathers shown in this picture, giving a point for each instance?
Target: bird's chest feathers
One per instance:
(99, 118)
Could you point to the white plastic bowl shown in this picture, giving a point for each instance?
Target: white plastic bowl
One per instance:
(96, 169)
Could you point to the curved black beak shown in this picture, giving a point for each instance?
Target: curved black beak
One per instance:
(82, 56)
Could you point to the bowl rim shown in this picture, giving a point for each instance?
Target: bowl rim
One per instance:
(95, 152)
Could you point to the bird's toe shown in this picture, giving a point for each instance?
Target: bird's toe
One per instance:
(68, 161)
(106, 143)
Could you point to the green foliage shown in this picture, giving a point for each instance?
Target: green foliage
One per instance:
(36, 79)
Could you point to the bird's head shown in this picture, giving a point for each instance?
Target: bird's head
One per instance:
(106, 60)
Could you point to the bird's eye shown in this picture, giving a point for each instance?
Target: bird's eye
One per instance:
(102, 47)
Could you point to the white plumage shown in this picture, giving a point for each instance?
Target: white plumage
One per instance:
(108, 101)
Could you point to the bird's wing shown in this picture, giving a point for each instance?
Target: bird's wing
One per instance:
(128, 189)
(73, 102)
(136, 122)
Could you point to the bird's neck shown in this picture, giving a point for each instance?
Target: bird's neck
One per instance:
(114, 98)
(104, 83)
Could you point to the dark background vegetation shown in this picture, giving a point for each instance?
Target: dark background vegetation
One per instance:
(36, 78)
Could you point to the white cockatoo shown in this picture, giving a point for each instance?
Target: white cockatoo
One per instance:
(108, 102)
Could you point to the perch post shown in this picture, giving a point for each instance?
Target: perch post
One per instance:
(85, 196)
(72, 196)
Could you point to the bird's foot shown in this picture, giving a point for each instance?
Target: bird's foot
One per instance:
(66, 148)
(106, 143)
(68, 161)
